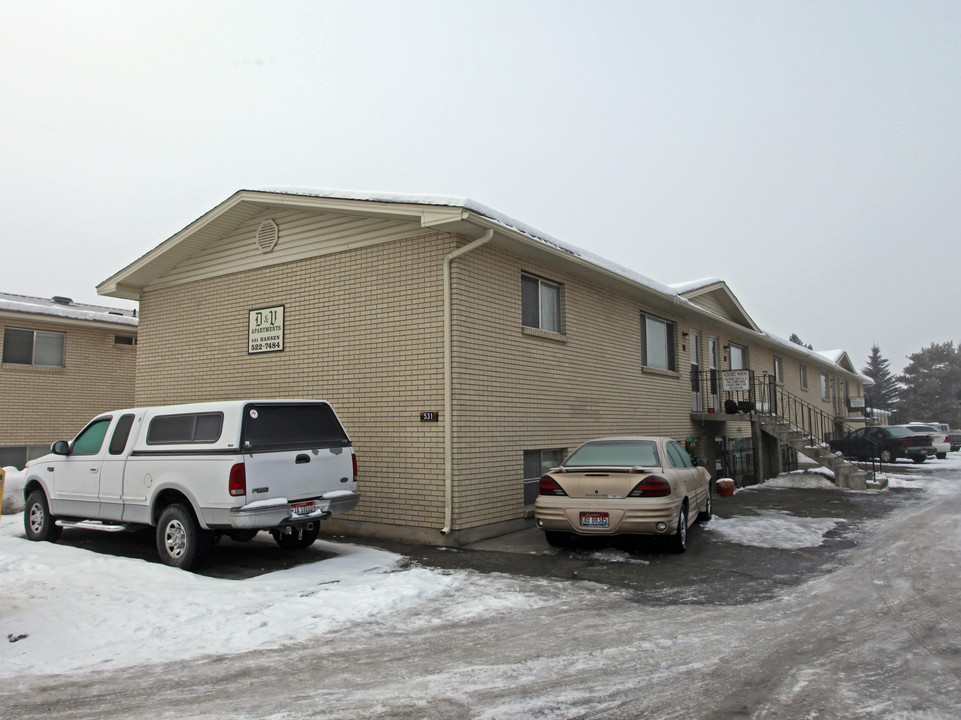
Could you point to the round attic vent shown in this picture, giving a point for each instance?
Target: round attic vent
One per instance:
(267, 236)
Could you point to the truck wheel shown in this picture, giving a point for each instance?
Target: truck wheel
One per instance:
(181, 542)
(38, 523)
(302, 536)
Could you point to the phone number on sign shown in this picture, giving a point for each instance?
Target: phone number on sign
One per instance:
(254, 347)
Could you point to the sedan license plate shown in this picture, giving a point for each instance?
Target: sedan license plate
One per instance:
(303, 508)
(595, 520)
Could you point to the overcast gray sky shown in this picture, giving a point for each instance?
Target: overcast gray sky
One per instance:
(808, 153)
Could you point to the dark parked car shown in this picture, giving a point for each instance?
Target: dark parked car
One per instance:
(885, 442)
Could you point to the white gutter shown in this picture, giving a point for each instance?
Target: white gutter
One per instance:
(449, 381)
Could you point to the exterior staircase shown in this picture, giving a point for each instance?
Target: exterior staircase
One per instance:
(846, 474)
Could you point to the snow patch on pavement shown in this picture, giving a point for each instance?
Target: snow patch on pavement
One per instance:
(773, 529)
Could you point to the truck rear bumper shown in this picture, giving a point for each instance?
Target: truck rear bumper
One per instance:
(263, 515)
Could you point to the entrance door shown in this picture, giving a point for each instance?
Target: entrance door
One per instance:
(712, 358)
(697, 399)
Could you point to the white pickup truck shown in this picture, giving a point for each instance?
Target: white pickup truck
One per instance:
(195, 472)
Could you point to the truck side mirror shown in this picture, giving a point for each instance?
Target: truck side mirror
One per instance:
(700, 461)
(61, 447)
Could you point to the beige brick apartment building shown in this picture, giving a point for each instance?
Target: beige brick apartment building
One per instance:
(463, 350)
(62, 363)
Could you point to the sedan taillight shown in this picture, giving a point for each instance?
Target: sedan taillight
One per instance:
(548, 486)
(653, 486)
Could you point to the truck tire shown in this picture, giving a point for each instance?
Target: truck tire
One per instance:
(181, 542)
(302, 537)
(38, 523)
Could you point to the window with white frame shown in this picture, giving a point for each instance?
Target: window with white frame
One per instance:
(738, 357)
(657, 343)
(540, 303)
(804, 377)
(33, 347)
(778, 370)
(825, 392)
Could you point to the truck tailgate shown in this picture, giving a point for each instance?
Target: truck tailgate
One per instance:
(298, 474)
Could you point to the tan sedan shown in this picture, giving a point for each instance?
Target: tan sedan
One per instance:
(624, 485)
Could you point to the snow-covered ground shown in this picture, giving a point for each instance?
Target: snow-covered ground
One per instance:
(65, 609)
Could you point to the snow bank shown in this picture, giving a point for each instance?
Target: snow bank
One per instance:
(65, 608)
(12, 487)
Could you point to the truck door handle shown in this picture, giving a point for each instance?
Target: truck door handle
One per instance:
(94, 469)
(302, 458)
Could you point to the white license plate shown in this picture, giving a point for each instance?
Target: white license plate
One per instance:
(304, 508)
(595, 520)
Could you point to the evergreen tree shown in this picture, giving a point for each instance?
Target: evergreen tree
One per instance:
(798, 341)
(884, 394)
(932, 386)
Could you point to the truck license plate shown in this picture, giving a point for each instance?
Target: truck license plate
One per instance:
(597, 520)
(303, 508)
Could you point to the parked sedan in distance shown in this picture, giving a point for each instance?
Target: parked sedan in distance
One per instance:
(939, 438)
(621, 486)
(885, 442)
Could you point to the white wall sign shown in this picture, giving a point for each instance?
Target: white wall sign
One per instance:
(736, 380)
(265, 330)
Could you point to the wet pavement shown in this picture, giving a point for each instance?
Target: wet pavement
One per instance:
(712, 571)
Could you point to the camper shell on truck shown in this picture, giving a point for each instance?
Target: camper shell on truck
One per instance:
(195, 472)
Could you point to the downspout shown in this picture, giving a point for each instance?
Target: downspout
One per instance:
(449, 381)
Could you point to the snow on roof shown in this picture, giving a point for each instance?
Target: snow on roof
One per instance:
(67, 308)
(831, 355)
(675, 290)
(686, 287)
(487, 212)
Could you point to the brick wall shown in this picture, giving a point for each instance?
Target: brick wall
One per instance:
(363, 330)
(43, 404)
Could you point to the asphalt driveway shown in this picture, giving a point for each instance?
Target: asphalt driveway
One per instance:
(712, 571)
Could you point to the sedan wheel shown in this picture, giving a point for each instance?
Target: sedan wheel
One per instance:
(886, 456)
(678, 541)
(708, 512)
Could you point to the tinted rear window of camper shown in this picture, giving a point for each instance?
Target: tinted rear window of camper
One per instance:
(280, 427)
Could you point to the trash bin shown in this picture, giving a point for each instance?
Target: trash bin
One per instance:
(725, 487)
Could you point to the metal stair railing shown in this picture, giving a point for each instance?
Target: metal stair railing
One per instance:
(764, 396)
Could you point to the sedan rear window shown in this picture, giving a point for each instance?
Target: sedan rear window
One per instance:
(284, 427)
(615, 453)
